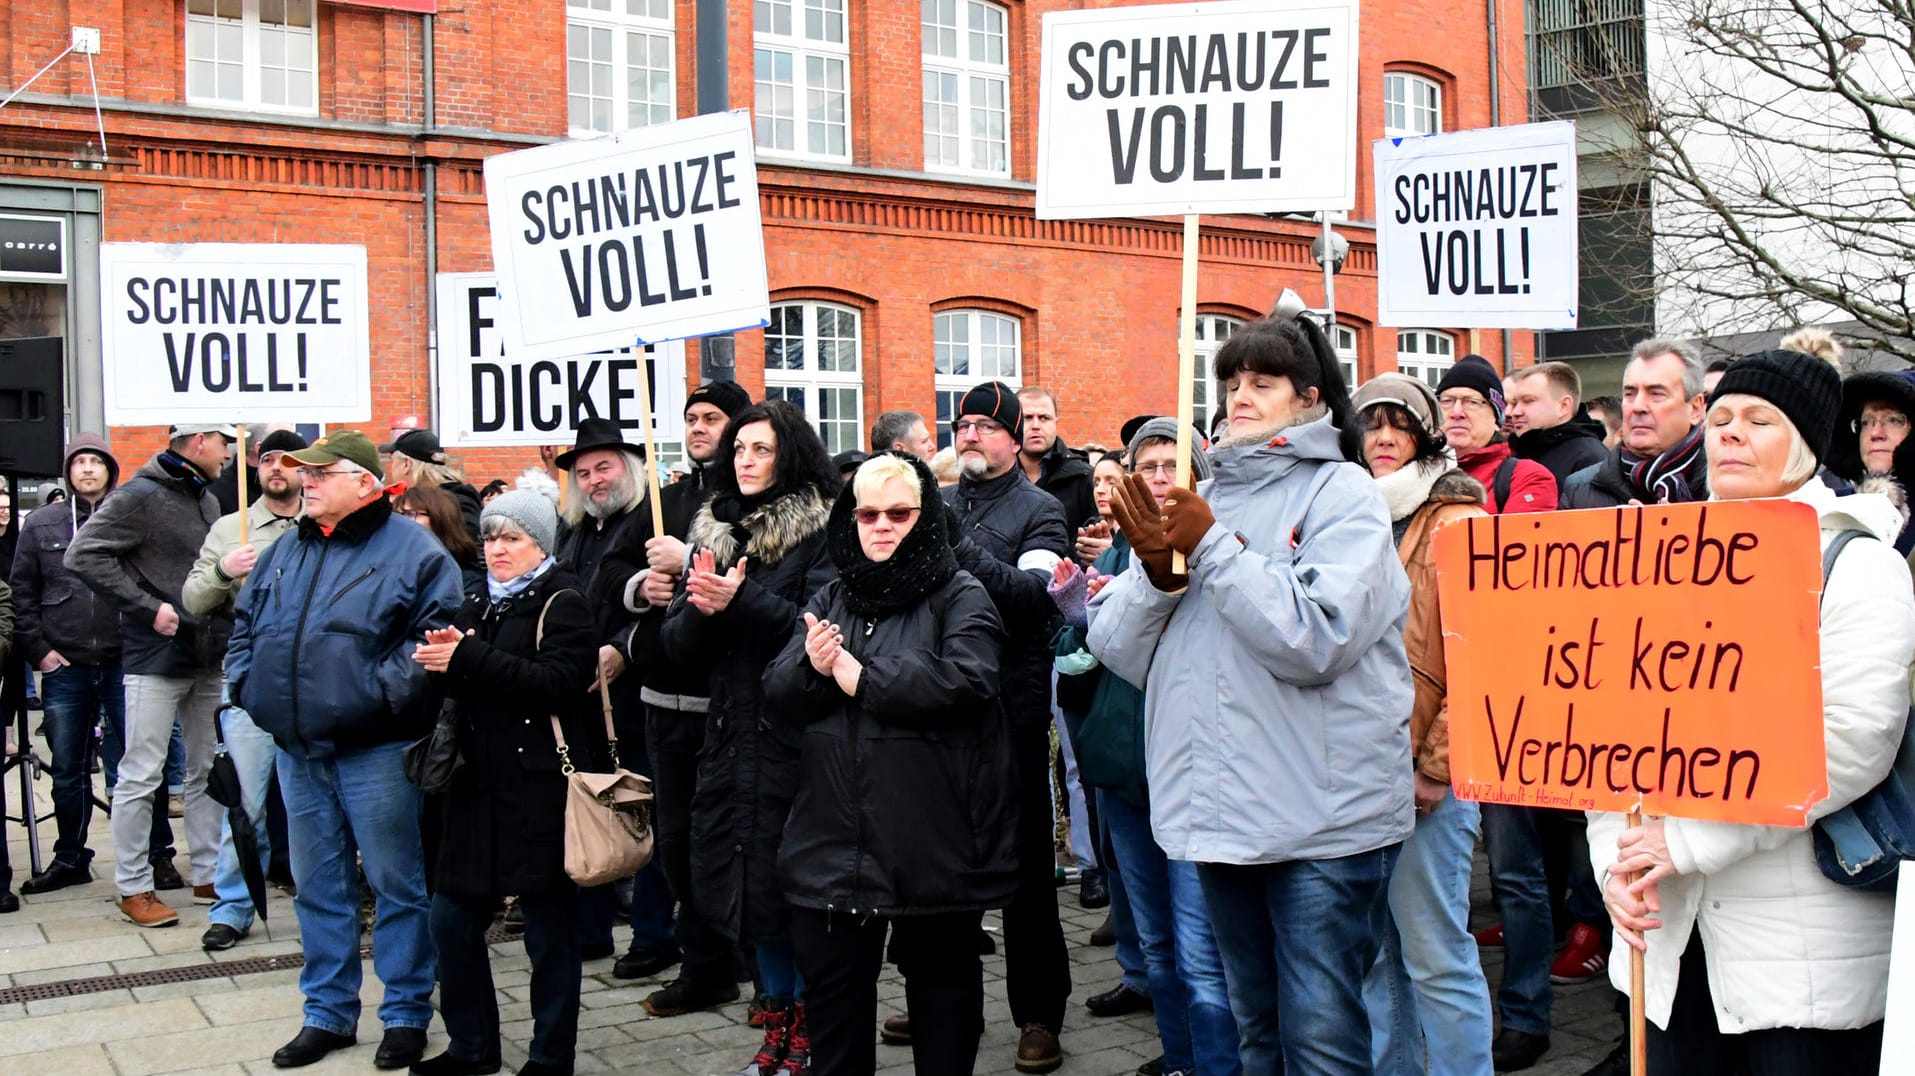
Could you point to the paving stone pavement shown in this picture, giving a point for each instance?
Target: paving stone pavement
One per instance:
(231, 1024)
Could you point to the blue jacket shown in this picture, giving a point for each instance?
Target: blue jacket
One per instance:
(321, 653)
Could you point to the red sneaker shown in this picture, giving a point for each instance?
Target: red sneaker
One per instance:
(1582, 959)
(777, 1043)
(1490, 937)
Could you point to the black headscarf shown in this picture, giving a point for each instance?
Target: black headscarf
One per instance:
(921, 564)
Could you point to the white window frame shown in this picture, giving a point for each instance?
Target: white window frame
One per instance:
(1212, 331)
(1412, 105)
(1425, 354)
(949, 50)
(961, 364)
(1343, 342)
(207, 26)
(841, 432)
(625, 31)
(801, 34)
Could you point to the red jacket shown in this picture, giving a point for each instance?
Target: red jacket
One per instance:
(1531, 487)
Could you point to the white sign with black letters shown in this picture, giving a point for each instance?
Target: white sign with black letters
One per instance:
(646, 235)
(235, 332)
(1478, 228)
(487, 399)
(1240, 107)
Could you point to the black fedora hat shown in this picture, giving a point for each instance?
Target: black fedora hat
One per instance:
(597, 433)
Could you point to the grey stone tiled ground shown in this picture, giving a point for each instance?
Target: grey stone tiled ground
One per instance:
(232, 1024)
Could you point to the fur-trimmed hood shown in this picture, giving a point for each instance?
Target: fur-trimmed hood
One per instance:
(776, 527)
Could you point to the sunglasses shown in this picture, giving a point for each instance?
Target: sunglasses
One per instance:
(869, 516)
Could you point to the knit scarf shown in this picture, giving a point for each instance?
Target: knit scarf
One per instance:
(1665, 479)
(180, 467)
(920, 564)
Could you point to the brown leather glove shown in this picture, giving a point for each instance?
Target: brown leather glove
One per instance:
(1137, 516)
(1187, 518)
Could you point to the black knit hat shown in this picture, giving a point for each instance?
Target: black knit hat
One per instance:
(724, 395)
(996, 401)
(1805, 389)
(1475, 373)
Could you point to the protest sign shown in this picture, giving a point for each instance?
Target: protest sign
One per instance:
(489, 399)
(646, 235)
(1668, 655)
(1478, 228)
(234, 332)
(1246, 107)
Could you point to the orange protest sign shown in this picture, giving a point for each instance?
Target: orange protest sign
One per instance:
(1666, 655)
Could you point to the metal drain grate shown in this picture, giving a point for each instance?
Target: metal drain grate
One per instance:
(67, 988)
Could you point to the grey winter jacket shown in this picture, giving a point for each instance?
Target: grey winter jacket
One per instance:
(1277, 690)
(135, 552)
(53, 609)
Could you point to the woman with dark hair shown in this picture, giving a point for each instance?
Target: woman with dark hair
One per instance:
(1426, 993)
(905, 812)
(491, 489)
(1277, 695)
(438, 511)
(758, 555)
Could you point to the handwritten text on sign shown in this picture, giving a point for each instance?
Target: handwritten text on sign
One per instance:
(650, 234)
(1478, 228)
(235, 332)
(1666, 654)
(1189, 108)
(486, 398)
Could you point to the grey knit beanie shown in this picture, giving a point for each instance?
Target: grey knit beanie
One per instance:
(1166, 427)
(531, 512)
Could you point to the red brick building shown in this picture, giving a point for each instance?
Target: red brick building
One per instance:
(897, 154)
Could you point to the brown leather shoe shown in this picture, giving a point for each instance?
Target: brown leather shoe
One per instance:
(896, 1030)
(147, 910)
(203, 894)
(1038, 1050)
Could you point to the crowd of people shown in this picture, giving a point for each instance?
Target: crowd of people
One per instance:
(844, 678)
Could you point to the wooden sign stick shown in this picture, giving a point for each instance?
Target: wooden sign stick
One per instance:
(1186, 367)
(239, 476)
(1638, 1032)
(651, 450)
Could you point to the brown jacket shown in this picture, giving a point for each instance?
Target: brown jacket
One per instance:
(1455, 496)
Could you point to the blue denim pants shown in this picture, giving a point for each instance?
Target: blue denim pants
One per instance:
(358, 801)
(1181, 963)
(74, 696)
(1521, 886)
(254, 756)
(1428, 999)
(1312, 928)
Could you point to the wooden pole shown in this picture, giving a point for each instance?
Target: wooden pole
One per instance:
(651, 450)
(239, 476)
(1186, 366)
(1638, 1034)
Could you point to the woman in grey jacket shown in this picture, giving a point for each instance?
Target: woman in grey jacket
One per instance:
(1277, 695)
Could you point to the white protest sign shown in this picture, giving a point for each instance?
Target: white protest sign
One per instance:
(488, 399)
(650, 234)
(1478, 228)
(1240, 107)
(234, 332)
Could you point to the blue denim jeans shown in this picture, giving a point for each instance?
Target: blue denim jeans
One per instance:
(1521, 887)
(358, 801)
(1312, 928)
(1130, 955)
(778, 971)
(1428, 1000)
(74, 696)
(254, 756)
(1182, 965)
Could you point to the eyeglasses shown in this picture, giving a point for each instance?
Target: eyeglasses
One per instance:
(1893, 423)
(415, 513)
(977, 427)
(869, 516)
(315, 474)
(1467, 403)
(1164, 469)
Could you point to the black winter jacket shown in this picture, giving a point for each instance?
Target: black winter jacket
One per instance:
(53, 608)
(905, 800)
(1010, 535)
(624, 559)
(135, 551)
(748, 767)
(323, 634)
(581, 552)
(1067, 476)
(1564, 449)
(469, 507)
(1605, 486)
(504, 816)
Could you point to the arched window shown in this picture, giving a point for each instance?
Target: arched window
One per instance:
(1412, 105)
(970, 346)
(1205, 394)
(1425, 354)
(813, 361)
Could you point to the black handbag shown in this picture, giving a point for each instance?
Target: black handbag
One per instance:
(222, 784)
(432, 760)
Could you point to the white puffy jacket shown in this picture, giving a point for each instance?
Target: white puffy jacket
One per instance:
(1786, 947)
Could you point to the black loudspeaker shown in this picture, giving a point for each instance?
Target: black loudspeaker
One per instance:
(32, 406)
